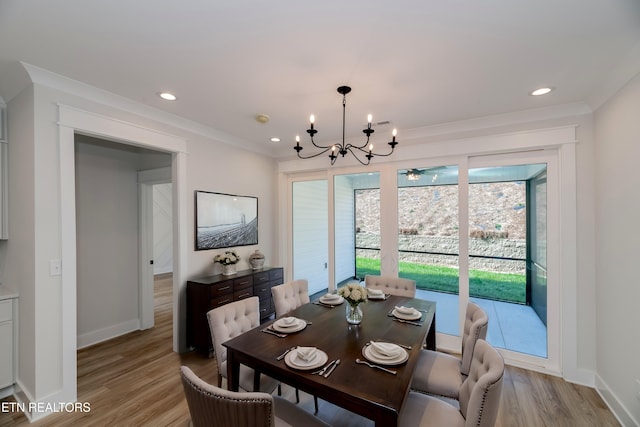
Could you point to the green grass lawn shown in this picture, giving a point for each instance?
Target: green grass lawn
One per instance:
(483, 284)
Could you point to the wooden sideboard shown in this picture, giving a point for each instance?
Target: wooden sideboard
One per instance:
(209, 292)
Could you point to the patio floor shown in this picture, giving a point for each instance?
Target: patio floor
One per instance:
(513, 327)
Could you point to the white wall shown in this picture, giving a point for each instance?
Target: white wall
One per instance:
(617, 213)
(19, 273)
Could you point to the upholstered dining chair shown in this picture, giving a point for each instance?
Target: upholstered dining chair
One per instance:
(479, 396)
(212, 406)
(229, 321)
(287, 297)
(290, 295)
(391, 285)
(441, 373)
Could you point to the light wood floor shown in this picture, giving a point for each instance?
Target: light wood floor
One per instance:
(133, 380)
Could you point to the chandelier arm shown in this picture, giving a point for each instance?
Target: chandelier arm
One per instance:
(354, 154)
(371, 153)
(322, 147)
(315, 155)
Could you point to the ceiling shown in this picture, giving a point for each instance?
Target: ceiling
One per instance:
(415, 64)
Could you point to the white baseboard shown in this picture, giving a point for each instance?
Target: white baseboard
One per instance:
(56, 402)
(617, 408)
(6, 392)
(104, 334)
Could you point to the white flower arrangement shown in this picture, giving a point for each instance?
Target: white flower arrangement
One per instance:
(353, 293)
(228, 258)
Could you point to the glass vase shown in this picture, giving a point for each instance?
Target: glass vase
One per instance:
(354, 314)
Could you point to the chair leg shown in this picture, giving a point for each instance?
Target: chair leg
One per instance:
(315, 402)
(279, 389)
(297, 396)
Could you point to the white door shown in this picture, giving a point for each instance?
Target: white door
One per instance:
(310, 233)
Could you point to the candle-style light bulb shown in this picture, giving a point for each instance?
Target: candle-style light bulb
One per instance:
(297, 138)
(333, 148)
(394, 133)
(369, 118)
(312, 120)
(370, 148)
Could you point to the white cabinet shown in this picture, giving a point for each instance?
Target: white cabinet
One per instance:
(6, 343)
(4, 172)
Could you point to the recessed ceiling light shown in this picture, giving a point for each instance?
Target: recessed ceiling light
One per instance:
(275, 139)
(167, 96)
(541, 91)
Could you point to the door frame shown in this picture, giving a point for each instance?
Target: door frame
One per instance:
(71, 121)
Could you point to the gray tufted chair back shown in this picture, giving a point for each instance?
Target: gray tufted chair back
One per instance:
(481, 391)
(290, 295)
(391, 285)
(476, 324)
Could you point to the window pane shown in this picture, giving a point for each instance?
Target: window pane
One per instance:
(428, 242)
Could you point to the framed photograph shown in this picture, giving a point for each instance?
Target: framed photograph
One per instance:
(225, 220)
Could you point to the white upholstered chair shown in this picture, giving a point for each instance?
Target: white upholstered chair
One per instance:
(211, 406)
(479, 396)
(287, 297)
(442, 374)
(290, 295)
(391, 285)
(229, 321)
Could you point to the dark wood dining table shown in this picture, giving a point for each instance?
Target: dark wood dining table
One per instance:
(366, 391)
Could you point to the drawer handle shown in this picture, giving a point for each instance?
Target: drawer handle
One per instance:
(224, 289)
(244, 283)
(263, 290)
(224, 302)
(263, 279)
(244, 295)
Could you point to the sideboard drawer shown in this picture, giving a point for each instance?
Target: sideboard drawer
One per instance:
(242, 283)
(242, 294)
(220, 289)
(265, 308)
(276, 274)
(261, 277)
(263, 291)
(217, 302)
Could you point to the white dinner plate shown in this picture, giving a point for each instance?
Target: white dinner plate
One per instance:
(380, 297)
(371, 355)
(332, 301)
(300, 325)
(292, 360)
(415, 316)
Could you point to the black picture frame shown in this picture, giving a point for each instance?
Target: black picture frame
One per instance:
(225, 220)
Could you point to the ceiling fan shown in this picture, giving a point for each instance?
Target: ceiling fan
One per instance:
(414, 174)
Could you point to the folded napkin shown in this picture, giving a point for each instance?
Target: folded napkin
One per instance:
(386, 348)
(330, 296)
(306, 353)
(288, 321)
(406, 310)
(375, 292)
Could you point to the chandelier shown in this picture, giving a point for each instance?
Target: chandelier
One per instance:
(360, 152)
